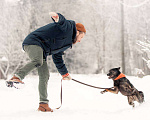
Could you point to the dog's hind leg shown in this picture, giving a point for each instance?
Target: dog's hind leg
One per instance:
(131, 101)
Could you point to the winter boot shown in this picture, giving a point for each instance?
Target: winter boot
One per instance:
(13, 81)
(16, 79)
(44, 107)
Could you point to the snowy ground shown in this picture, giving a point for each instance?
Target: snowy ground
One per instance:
(79, 102)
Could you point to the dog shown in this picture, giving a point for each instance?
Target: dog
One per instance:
(122, 84)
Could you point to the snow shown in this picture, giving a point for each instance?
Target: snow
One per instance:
(79, 101)
(4, 59)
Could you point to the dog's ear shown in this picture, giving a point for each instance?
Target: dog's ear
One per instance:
(118, 68)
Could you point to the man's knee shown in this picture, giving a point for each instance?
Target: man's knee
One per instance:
(38, 63)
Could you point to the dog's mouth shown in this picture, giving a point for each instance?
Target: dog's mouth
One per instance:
(111, 76)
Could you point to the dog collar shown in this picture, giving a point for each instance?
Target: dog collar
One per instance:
(120, 76)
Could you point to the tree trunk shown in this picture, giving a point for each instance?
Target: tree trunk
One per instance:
(122, 37)
(1, 75)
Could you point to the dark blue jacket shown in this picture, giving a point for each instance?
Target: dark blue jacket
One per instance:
(54, 38)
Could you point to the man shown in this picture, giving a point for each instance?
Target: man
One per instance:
(52, 39)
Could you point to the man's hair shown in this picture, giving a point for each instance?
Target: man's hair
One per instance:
(80, 27)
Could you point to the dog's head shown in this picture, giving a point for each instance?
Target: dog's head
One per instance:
(114, 73)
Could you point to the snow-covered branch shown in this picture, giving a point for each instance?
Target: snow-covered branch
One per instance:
(145, 47)
(134, 6)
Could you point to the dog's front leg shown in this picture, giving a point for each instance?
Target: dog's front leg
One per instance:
(115, 90)
(102, 92)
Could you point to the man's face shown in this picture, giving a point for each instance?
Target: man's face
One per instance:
(79, 36)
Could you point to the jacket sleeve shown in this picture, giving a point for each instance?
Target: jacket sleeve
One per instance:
(62, 24)
(58, 60)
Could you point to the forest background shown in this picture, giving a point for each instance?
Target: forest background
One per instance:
(118, 34)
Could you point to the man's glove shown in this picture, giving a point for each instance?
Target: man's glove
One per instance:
(54, 16)
(66, 77)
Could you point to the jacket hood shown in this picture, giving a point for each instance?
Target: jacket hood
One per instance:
(74, 30)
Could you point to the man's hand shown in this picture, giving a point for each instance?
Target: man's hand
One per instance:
(66, 77)
(54, 16)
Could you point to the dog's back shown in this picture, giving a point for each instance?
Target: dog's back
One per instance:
(124, 86)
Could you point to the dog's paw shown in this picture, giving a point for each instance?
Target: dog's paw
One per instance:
(102, 92)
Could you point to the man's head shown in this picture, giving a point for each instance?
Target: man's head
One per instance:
(80, 32)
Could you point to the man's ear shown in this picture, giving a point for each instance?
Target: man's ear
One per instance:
(118, 68)
(78, 33)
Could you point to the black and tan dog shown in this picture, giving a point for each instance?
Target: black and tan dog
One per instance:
(122, 84)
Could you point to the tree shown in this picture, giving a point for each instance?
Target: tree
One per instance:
(122, 38)
(12, 37)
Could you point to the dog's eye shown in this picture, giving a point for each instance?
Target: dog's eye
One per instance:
(112, 72)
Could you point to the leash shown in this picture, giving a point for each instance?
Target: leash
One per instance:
(60, 95)
(80, 83)
(89, 85)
